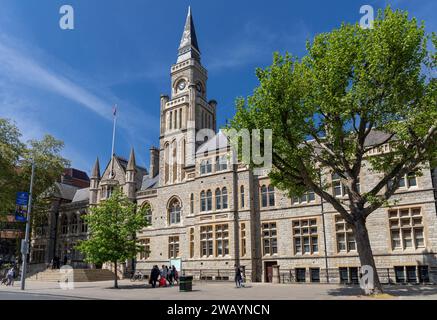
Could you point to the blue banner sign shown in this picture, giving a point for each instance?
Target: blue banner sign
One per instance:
(21, 204)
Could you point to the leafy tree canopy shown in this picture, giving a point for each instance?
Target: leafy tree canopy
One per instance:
(113, 225)
(15, 165)
(355, 90)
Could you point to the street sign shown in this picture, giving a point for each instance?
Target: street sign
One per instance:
(21, 204)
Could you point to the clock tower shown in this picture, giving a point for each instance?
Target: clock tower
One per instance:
(186, 111)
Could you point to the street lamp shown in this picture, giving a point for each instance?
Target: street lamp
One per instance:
(25, 245)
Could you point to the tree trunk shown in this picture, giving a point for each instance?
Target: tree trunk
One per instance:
(116, 275)
(365, 253)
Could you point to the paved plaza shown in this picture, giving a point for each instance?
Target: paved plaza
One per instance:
(128, 290)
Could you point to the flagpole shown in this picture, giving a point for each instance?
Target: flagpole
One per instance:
(113, 140)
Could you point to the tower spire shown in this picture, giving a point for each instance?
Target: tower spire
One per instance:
(96, 170)
(189, 47)
(131, 163)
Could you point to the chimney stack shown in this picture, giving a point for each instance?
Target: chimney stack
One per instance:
(154, 162)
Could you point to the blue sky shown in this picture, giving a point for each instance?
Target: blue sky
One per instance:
(65, 82)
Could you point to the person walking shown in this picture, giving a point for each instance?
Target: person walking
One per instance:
(173, 274)
(163, 279)
(242, 277)
(11, 276)
(154, 275)
(168, 274)
(237, 276)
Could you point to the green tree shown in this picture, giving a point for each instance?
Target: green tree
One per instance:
(11, 148)
(113, 225)
(322, 108)
(15, 166)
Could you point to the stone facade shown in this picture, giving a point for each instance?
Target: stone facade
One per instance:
(212, 214)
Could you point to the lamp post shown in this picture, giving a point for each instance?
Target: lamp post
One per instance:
(25, 245)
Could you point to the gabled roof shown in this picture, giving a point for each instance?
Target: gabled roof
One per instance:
(82, 195)
(376, 137)
(63, 191)
(150, 183)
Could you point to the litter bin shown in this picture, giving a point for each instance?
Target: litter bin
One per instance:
(186, 283)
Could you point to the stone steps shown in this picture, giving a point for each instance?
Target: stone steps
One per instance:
(76, 275)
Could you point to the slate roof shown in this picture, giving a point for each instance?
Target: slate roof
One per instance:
(63, 191)
(150, 183)
(82, 195)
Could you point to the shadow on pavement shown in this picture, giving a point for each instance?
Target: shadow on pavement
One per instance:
(396, 291)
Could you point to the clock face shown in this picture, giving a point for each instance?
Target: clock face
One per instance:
(182, 84)
(199, 88)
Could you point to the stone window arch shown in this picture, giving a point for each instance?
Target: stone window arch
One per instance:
(149, 213)
(64, 224)
(83, 223)
(267, 196)
(166, 162)
(224, 198)
(174, 160)
(174, 211)
(218, 199)
(74, 226)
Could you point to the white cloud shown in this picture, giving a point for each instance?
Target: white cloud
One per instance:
(21, 72)
(21, 68)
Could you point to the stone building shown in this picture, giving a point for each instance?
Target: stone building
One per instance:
(213, 214)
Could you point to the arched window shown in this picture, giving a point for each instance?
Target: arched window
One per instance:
(174, 161)
(176, 119)
(203, 201)
(218, 199)
(64, 224)
(171, 119)
(267, 196)
(208, 200)
(175, 212)
(148, 214)
(74, 224)
(242, 196)
(184, 152)
(192, 203)
(263, 196)
(225, 198)
(166, 162)
(271, 191)
(83, 224)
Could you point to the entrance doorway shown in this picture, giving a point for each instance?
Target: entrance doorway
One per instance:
(268, 267)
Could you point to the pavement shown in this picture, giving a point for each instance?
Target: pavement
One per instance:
(36, 290)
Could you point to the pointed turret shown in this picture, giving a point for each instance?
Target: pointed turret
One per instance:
(131, 163)
(189, 47)
(96, 169)
(130, 186)
(94, 183)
